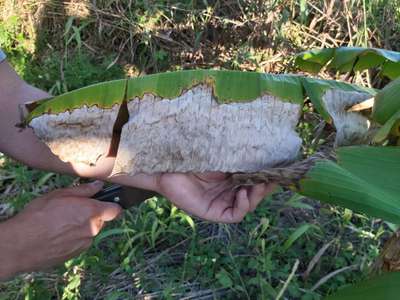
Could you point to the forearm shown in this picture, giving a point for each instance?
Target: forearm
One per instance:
(9, 250)
(20, 144)
(25, 147)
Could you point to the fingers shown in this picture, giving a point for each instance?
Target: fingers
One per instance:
(108, 211)
(95, 226)
(240, 208)
(104, 212)
(258, 192)
(242, 205)
(246, 201)
(83, 190)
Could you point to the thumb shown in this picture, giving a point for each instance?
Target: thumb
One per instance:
(83, 190)
(108, 211)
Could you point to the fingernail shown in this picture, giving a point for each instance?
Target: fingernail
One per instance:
(97, 184)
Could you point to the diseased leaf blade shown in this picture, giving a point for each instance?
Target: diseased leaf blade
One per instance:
(228, 86)
(315, 89)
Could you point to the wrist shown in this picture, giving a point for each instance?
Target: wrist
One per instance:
(141, 181)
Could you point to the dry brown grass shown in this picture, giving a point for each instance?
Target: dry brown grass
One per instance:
(248, 35)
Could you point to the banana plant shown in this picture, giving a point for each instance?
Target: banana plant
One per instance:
(365, 179)
(237, 122)
(355, 181)
(386, 110)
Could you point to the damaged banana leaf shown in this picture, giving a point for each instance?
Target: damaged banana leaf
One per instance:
(78, 126)
(199, 120)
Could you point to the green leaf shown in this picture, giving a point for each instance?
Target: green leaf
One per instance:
(46, 177)
(387, 102)
(296, 235)
(387, 128)
(295, 202)
(383, 287)
(312, 61)
(77, 36)
(365, 179)
(303, 11)
(104, 95)
(190, 221)
(228, 86)
(110, 232)
(391, 69)
(154, 232)
(265, 285)
(68, 25)
(347, 59)
(224, 278)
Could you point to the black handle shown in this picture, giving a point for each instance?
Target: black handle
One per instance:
(126, 197)
(109, 194)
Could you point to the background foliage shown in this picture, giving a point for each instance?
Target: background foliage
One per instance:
(291, 247)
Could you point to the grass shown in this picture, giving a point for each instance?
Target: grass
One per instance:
(287, 248)
(156, 249)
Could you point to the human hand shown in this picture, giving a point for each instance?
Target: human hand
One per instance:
(52, 229)
(211, 196)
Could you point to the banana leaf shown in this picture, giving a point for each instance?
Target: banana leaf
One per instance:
(103, 95)
(316, 90)
(197, 120)
(364, 179)
(386, 111)
(228, 86)
(391, 127)
(387, 102)
(383, 287)
(347, 59)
